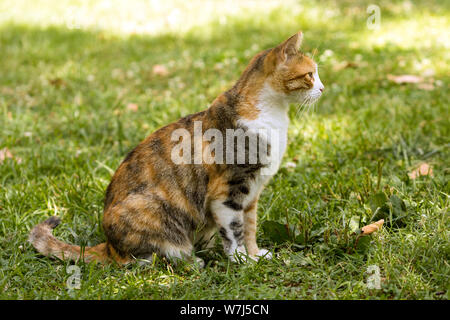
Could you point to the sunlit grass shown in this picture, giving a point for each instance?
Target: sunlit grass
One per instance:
(138, 17)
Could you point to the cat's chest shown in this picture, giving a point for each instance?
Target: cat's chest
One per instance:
(272, 123)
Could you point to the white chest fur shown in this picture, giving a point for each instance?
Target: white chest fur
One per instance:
(272, 119)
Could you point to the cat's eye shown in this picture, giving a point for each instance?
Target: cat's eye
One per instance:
(310, 74)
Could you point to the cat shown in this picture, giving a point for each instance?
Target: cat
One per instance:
(155, 205)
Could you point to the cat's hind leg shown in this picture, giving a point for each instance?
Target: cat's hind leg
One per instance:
(143, 224)
(174, 255)
(205, 237)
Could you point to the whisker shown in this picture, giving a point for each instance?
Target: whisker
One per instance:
(306, 103)
(299, 109)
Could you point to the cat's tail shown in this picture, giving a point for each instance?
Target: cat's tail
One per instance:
(42, 239)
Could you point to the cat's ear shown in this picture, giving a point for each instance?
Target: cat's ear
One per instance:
(289, 48)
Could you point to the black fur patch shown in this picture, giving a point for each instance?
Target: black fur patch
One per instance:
(238, 230)
(235, 181)
(53, 222)
(244, 189)
(156, 145)
(226, 241)
(109, 194)
(233, 205)
(259, 63)
(130, 155)
(140, 188)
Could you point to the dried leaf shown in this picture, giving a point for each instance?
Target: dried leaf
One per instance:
(160, 70)
(132, 107)
(57, 82)
(6, 154)
(423, 170)
(372, 227)
(426, 86)
(405, 78)
(7, 90)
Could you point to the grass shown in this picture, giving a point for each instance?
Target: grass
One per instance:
(64, 90)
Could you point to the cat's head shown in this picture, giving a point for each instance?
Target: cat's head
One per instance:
(294, 74)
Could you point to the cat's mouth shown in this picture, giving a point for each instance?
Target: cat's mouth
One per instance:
(313, 98)
(310, 97)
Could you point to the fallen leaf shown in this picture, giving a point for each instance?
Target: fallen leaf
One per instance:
(57, 82)
(132, 107)
(423, 170)
(372, 227)
(160, 70)
(405, 78)
(6, 154)
(7, 90)
(426, 86)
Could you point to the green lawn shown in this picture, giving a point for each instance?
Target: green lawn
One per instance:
(70, 72)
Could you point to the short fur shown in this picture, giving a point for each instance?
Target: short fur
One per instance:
(153, 205)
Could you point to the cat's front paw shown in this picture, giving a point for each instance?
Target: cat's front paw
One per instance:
(239, 256)
(265, 254)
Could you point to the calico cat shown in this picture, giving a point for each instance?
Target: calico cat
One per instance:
(157, 205)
